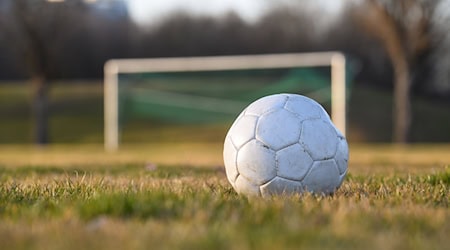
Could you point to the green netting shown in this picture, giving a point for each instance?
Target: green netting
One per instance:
(211, 97)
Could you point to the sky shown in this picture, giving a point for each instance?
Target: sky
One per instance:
(150, 11)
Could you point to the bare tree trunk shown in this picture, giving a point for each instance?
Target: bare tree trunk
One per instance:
(377, 21)
(40, 110)
(402, 104)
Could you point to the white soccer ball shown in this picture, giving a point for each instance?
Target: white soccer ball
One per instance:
(285, 144)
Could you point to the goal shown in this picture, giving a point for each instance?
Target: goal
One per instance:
(113, 69)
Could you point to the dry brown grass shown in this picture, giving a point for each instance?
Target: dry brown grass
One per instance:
(79, 197)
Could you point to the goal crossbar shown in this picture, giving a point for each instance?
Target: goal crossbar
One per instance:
(112, 69)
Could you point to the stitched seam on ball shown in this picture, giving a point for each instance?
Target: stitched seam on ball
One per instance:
(286, 101)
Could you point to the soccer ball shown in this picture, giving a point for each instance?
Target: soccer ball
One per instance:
(284, 144)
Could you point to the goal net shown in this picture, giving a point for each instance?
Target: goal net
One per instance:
(214, 90)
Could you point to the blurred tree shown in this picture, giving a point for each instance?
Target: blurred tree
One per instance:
(403, 27)
(283, 30)
(441, 53)
(36, 28)
(184, 35)
(36, 52)
(59, 40)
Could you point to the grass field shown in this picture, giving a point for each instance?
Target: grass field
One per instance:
(176, 196)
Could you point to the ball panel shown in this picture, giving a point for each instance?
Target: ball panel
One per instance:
(278, 129)
(239, 117)
(229, 158)
(243, 130)
(338, 132)
(325, 116)
(319, 138)
(245, 187)
(304, 107)
(322, 178)
(266, 104)
(341, 156)
(256, 162)
(293, 162)
(342, 177)
(281, 186)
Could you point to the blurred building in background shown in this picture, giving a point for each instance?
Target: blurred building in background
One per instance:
(115, 9)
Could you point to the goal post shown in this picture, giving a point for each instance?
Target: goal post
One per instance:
(113, 68)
